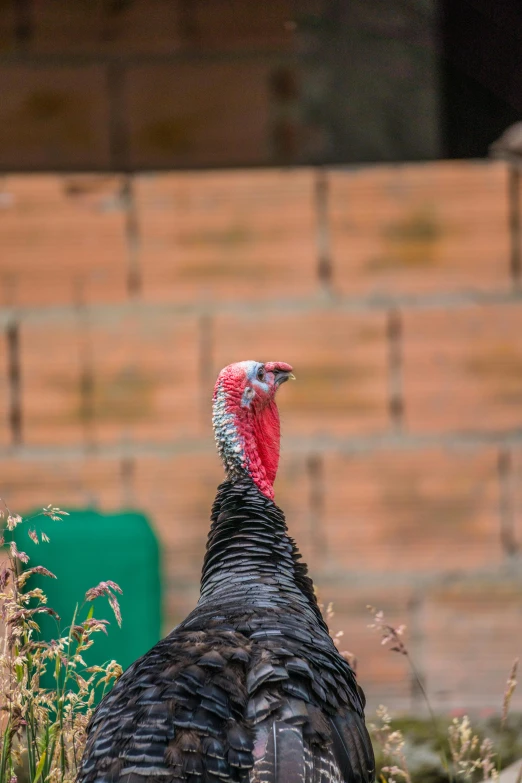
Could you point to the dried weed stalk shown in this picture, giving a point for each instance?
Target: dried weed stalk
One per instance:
(391, 743)
(469, 754)
(393, 637)
(389, 634)
(348, 656)
(511, 684)
(43, 729)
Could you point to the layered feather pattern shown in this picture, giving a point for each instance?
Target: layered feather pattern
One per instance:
(250, 687)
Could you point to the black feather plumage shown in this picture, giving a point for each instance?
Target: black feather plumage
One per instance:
(250, 687)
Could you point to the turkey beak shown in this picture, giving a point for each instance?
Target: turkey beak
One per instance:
(280, 376)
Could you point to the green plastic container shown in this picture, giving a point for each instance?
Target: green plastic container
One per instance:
(89, 547)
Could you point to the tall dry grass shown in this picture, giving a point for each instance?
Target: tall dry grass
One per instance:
(42, 729)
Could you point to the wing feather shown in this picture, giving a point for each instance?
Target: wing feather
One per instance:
(352, 748)
(279, 754)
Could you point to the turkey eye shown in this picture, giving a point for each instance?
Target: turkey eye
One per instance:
(261, 374)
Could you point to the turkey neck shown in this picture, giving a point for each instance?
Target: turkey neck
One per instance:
(247, 539)
(250, 555)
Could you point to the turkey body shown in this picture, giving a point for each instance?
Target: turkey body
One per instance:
(250, 687)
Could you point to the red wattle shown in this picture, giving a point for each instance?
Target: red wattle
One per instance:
(261, 436)
(267, 435)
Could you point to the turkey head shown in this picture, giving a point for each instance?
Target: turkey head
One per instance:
(246, 420)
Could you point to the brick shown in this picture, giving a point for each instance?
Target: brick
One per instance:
(62, 240)
(383, 674)
(50, 384)
(457, 636)
(339, 360)
(231, 25)
(5, 434)
(463, 369)
(208, 120)
(160, 26)
(515, 490)
(7, 28)
(178, 493)
(472, 635)
(419, 513)
(143, 378)
(139, 27)
(41, 105)
(90, 482)
(146, 376)
(420, 228)
(292, 494)
(226, 236)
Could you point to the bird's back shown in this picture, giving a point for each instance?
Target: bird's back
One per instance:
(249, 687)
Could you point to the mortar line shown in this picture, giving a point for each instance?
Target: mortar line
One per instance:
(127, 476)
(23, 24)
(416, 644)
(132, 237)
(206, 368)
(395, 385)
(315, 472)
(116, 312)
(14, 375)
(118, 125)
(506, 504)
(515, 229)
(324, 254)
(466, 442)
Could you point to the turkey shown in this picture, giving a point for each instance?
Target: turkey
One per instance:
(249, 687)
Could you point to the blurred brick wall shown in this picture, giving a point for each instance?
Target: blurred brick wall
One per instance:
(388, 289)
(163, 84)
